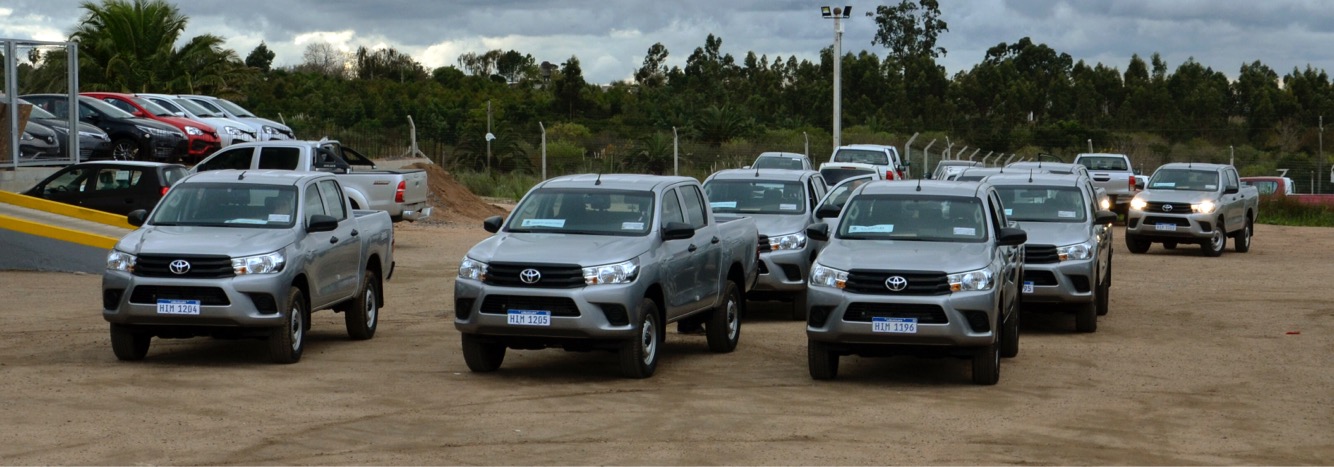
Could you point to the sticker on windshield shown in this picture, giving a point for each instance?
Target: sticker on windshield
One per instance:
(632, 226)
(1009, 212)
(1211, 187)
(553, 223)
(878, 228)
(722, 204)
(1065, 214)
(280, 217)
(1165, 184)
(246, 221)
(787, 207)
(965, 231)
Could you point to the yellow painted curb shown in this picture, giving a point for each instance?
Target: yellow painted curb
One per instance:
(57, 233)
(68, 210)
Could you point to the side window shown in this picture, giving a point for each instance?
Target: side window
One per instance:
(85, 112)
(1232, 181)
(238, 158)
(69, 181)
(279, 158)
(998, 219)
(333, 199)
(694, 206)
(120, 104)
(312, 203)
(109, 179)
(671, 208)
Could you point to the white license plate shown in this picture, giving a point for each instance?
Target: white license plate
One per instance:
(529, 317)
(1166, 227)
(1028, 286)
(178, 307)
(894, 325)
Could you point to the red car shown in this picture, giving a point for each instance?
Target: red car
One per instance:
(203, 138)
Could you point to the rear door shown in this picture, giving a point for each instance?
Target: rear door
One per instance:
(708, 255)
(120, 190)
(231, 158)
(677, 269)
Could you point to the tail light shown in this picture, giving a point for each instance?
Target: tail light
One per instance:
(398, 194)
(1132, 183)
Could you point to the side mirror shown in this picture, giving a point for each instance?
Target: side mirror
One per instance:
(677, 231)
(907, 163)
(1011, 237)
(818, 231)
(492, 224)
(137, 217)
(1104, 217)
(827, 211)
(321, 223)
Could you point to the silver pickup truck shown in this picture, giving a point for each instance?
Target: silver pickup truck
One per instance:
(236, 254)
(604, 262)
(1068, 257)
(926, 267)
(1114, 174)
(401, 193)
(1193, 203)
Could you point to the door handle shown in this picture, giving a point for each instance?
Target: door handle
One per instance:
(715, 240)
(354, 232)
(692, 248)
(333, 239)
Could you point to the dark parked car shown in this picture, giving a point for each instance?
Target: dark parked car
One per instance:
(203, 138)
(38, 142)
(112, 186)
(132, 138)
(93, 142)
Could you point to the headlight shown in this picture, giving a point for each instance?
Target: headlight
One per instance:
(1203, 207)
(189, 130)
(268, 130)
(231, 131)
(90, 134)
(1138, 204)
(795, 241)
(822, 276)
(472, 269)
(157, 131)
(1074, 252)
(1105, 204)
(120, 261)
(27, 136)
(619, 273)
(271, 263)
(971, 280)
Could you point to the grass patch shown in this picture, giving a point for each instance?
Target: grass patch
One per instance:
(1278, 210)
(510, 186)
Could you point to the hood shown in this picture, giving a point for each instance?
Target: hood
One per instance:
(268, 122)
(585, 250)
(219, 124)
(154, 124)
(234, 242)
(40, 131)
(781, 224)
(181, 122)
(1174, 196)
(64, 125)
(906, 255)
(1056, 233)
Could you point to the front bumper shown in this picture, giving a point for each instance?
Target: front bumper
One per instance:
(597, 312)
(1193, 227)
(783, 271)
(839, 317)
(241, 301)
(1060, 283)
(203, 145)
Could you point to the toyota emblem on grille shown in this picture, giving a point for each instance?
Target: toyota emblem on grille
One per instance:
(896, 283)
(530, 276)
(180, 266)
(1167, 208)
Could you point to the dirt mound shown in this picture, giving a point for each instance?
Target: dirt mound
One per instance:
(451, 202)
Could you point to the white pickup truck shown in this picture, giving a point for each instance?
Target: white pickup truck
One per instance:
(1114, 174)
(856, 159)
(401, 193)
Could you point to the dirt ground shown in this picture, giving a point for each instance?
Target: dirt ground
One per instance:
(1198, 362)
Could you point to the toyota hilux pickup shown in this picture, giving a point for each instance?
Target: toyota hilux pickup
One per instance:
(1068, 257)
(782, 202)
(246, 254)
(917, 268)
(854, 159)
(1193, 203)
(604, 262)
(1114, 174)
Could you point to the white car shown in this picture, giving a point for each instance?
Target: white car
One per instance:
(266, 129)
(229, 131)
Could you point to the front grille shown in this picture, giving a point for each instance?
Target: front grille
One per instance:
(1177, 208)
(552, 276)
(1040, 277)
(201, 266)
(919, 282)
(502, 304)
(207, 296)
(1178, 221)
(1041, 254)
(764, 245)
(925, 314)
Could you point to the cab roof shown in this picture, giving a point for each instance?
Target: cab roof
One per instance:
(762, 174)
(255, 177)
(925, 187)
(630, 182)
(1017, 178)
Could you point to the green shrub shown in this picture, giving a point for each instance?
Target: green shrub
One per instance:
(1280, 210)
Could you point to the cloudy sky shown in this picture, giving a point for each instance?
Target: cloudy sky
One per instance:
(611, 37)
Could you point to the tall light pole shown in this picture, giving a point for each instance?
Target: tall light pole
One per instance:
(1320, 154)
(837, 14)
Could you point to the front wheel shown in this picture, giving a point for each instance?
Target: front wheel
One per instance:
(482, 357)
(1086, 317)
(1010, 335)
(1170, 245)
(1136, 244)
(1104, 292)
(1217, 242)
(364, 315)
(124, 149)
(986, 365)
(822, 362)
(127, 344)
(639, 356)
(724, 328)
(286, 342)
(1242, 242)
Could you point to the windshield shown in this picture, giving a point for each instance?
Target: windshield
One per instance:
(104, 108)
(1184, 180)
(778, 162)
(1043, 204)
(195, 109)
(208, 105)
(584, 211)
(227, 205)
(756, 196)
(233, 108)
(903, 217)
(861, 156)
(1103, 163)
(37, 111)
(152, 108)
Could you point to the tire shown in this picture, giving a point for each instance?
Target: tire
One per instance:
(639, 356)
(362, 316)
(986, 365)
(822, 362)
(1242, 242)
(1009, 344)
(799, 306)
(482, 357)
(1103, 301)
(1086, 317)
(1169, 245)
(125, 149)
(724, 327)
(1214, 246)
(127, 344)
(1136, 244)
(286, 342)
